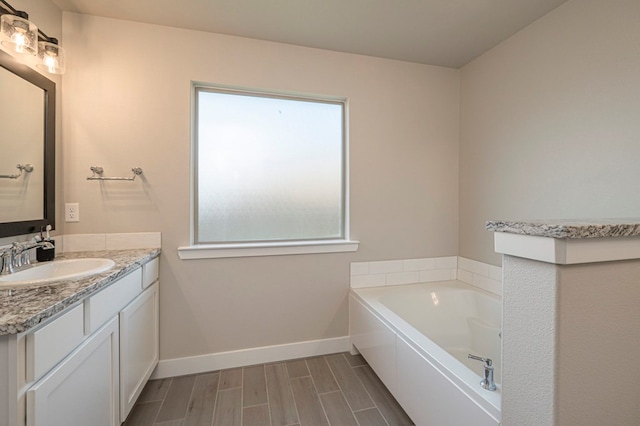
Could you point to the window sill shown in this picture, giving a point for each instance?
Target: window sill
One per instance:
(213, 251)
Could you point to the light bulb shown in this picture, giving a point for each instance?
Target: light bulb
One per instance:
(21, 35)
(51, 63)
(51, 57)
(18, 39)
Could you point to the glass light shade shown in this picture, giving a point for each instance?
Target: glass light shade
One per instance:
(19, 34)
(51, 57)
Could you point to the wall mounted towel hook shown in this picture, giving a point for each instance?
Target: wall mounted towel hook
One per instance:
(98, 170)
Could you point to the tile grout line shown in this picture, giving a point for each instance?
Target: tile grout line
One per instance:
(313, 382)
(242, 396)
(335, 380)
(368, 393)
(162, 403)
(337, 383)
(256, 405)
(215, 402)
(365, 409)
(266, 390)
(295, 404)
(215, 398)
(193, 389)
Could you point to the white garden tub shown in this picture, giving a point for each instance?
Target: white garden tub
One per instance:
(416, 338)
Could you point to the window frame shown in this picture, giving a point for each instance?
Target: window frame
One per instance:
(196, 250)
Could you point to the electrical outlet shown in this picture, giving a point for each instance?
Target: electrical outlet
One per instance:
(72, 212)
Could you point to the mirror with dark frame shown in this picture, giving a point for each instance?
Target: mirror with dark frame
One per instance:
(27, 149)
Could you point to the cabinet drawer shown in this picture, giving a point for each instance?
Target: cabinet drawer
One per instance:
(150, 272)
(48, 345)
(108, 302)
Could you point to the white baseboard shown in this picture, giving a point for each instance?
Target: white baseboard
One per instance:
(222, 360)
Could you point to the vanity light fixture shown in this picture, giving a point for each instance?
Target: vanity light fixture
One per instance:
(22, 36)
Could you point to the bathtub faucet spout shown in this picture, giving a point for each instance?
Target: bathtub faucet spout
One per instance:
(486, 383)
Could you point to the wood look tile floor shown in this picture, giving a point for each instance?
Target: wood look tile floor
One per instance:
(331, 390)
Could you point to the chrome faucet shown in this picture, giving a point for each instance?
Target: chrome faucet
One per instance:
(8, 259)
(486, 383)
(16, 257)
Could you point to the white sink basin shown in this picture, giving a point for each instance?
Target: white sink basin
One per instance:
(56, 271)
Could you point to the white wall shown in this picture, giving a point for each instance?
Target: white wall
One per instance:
(549, 122)
(126, 103)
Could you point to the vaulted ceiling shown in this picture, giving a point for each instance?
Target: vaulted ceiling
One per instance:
(438, 32)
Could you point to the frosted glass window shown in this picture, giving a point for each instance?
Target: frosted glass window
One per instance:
(268, 167)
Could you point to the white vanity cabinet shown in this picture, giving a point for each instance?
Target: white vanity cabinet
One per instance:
(139, 336)
(83, 389)
(88, 364)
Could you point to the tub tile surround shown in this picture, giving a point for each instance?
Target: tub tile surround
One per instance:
(397, 272)
(481, 275)
(411, 271)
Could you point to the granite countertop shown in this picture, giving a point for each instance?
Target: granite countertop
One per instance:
(571, 229)
(25, 307)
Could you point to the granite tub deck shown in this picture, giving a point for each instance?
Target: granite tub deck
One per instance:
(570, 229)
(27, 306)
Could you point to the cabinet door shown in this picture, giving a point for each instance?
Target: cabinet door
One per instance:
(83, 389)
(138, 346)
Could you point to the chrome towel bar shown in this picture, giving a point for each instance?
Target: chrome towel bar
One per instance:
(22, 167)
(97, 174)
